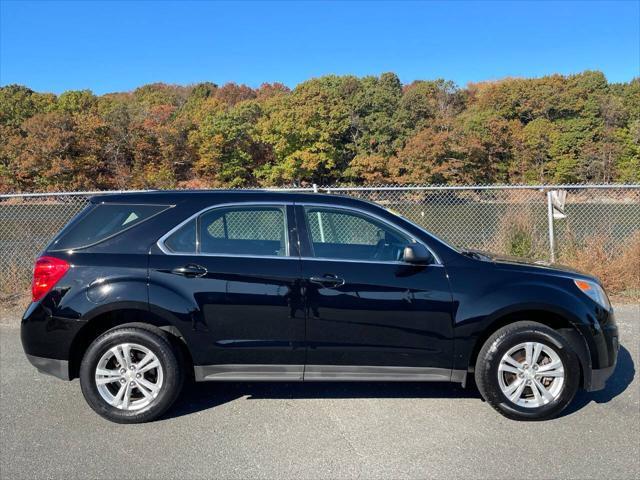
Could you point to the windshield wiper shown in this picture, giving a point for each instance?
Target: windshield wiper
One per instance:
(473, 254)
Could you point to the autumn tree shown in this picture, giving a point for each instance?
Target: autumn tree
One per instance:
(374, 129)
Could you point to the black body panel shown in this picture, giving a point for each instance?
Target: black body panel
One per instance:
(243, 310)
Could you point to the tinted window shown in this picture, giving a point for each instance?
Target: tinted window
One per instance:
(102, 221)
(349, 235)
(244, 231)
(182, 240)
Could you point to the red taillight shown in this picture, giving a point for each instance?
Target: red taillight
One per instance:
(46, 273)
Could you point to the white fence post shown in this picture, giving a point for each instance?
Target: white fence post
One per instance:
(552, 241)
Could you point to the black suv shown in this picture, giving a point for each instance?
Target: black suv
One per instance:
(143, 290)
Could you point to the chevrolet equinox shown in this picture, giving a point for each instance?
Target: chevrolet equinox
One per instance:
(141, 291)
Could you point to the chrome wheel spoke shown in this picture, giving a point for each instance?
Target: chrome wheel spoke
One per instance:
(537, 348)
(508, 368)
(117, 400)
(550, 367)
(126, 353)
(513, 387)
(106, 380)
(146, 359)
(120, 358)
(149, 366)
(518, 391)
(148, 390)
(127, 396)
(528, 350)
(538, 387)
(106, 376)
(153, 388)
(536, 394)
(552, 373)
(147, 394)
(512, 361)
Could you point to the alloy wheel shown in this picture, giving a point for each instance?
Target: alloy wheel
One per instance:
(531, 374)
(129, 376)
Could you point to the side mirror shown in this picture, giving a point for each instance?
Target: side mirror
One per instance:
(417, 254)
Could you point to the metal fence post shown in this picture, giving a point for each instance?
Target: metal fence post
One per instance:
(552, 241)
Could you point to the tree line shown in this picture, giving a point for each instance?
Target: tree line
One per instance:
(332, 129)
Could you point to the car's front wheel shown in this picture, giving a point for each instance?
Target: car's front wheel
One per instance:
(131, 375)
(527, 371)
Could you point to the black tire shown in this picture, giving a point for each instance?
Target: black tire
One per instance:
(169, 359)
(493, 350)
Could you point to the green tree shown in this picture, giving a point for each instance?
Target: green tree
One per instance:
(227, 146)
(308, 131)
(627, 162)
(18, 103)
(76, 101)
(535, 159)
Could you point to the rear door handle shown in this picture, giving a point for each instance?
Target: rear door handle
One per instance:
(190, 270)
(328, 280)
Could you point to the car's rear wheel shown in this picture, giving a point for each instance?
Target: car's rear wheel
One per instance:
(131, 375)
(527, 371)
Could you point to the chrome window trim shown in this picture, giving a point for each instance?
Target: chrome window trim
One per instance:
(381, 220)
(166, 251)
(378, 262)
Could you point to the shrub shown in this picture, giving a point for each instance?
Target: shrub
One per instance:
(519, 235)
(618, 267)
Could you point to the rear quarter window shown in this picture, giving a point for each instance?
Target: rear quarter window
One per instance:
(101, 221)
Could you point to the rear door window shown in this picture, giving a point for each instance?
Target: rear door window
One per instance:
(102, 221)
(252, 230)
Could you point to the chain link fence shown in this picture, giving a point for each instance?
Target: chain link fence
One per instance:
(601, 227)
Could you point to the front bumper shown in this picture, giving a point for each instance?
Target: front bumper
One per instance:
(606, 346)
(51, 366)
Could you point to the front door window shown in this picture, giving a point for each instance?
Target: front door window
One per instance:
(345, 235)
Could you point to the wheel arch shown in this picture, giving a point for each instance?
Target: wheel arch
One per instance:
(131, 317)
(560, 322)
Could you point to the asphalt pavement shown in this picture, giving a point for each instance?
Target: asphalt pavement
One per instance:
(318, 430)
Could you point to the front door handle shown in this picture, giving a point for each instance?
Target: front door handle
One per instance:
(190, 270)
(328, 280)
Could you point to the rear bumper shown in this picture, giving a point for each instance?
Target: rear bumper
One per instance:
(51, 366)
(47, 340)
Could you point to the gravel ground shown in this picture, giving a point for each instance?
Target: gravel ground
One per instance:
(271, 430)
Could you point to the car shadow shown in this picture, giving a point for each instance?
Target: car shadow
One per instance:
(197, 397)
(202, 396)
(621, 378)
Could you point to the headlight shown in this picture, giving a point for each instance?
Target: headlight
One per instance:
(594, 292)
